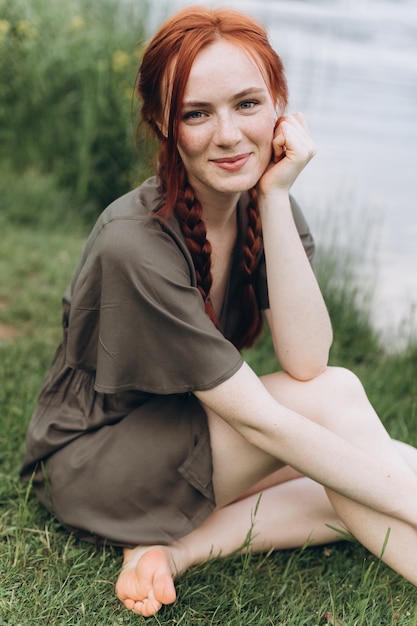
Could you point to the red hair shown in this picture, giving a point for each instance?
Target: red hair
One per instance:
(161, 84)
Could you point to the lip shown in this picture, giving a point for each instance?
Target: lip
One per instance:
(233, 163)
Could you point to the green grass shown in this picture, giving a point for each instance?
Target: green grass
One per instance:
(66, 149)
(47, 576)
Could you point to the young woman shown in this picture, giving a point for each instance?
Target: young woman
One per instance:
(151, 432)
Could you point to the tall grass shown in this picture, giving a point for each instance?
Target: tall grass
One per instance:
(67, 73)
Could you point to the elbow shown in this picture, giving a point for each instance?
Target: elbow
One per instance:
(306, 368)
(306, 359)
(306, 372)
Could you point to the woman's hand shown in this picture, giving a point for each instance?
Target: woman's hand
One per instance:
(292, 149)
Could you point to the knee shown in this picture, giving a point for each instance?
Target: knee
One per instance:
(343, 383)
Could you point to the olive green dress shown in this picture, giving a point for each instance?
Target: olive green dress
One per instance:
(118, 447)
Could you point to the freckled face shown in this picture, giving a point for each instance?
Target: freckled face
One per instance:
(227, 122)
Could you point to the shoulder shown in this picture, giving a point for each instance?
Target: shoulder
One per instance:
(125, 213)
(129, 223)
(129, 238)
(136, 205)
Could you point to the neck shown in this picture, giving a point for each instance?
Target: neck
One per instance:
(219, 210)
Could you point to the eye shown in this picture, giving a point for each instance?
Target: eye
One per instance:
(193, 116)
(247, 105)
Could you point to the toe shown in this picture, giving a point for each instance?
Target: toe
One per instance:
(164, 589)
(129, 604)
(147, 608)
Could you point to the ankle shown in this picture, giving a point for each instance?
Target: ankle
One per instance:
(186, 554)
(181, 557)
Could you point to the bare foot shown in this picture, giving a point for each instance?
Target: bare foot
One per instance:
(146, 580)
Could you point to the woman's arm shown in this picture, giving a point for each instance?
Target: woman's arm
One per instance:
(297, 317)
(379, 480)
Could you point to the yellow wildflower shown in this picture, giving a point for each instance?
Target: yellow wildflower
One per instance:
(26, 30)
(120, 61)
(4, 29)
(77, 23)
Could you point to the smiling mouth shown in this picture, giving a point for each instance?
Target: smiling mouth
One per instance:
(232, 163)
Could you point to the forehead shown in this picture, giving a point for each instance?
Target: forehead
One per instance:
(224, 65)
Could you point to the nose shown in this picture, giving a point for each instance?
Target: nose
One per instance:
(227, 131)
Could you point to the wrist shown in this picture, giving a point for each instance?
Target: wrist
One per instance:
(276, 199)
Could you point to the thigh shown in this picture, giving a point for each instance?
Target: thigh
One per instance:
(238, 467)
(337, 401)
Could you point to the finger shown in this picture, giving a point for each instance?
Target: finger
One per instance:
(278, 145)
(294, 128)
(300, 119)
(293, 138)
(296, 120)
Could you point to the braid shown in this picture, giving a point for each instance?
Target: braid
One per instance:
(188, 211)
(253, 237)
(250, 323)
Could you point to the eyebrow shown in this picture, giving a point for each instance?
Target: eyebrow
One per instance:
(251, 91)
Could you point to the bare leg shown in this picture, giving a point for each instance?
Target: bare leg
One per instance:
(339, 393)
(288, 515)
(146, 583)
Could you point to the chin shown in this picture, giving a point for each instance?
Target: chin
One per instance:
(239, 184)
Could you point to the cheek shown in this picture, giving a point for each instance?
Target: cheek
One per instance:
(260, 128)
(267, 129)
(190, 143)
(263, 136)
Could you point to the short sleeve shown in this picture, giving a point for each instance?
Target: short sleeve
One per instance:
(138, 319)
(303, 230)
